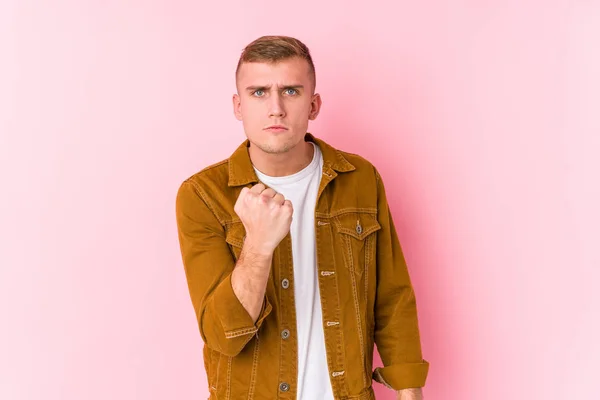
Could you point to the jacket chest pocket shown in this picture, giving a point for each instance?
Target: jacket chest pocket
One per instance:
(235, 236)
(356, 234)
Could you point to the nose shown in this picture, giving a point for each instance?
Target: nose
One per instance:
(276, 108)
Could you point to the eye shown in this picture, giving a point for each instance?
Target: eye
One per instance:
(291, 92)
(258, 93)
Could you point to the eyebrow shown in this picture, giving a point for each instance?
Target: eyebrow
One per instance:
(253, 88)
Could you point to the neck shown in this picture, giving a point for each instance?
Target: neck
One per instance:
(282, 164)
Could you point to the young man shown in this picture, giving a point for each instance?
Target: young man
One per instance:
(290, 252)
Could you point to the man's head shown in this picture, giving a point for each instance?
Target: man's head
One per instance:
(275, 80)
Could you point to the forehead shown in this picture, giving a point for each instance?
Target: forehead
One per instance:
(289, 71)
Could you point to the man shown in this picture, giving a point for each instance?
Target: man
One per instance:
(290, 252)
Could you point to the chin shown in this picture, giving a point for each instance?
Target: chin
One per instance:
(275, 144)
(276, 148)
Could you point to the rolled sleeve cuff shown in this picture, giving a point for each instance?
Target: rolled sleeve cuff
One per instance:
(402, 376)
(234, 318)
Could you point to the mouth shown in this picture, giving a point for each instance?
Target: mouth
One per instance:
(276, 128)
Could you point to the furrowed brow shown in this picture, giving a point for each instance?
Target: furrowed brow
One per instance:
(267, 87)
(253, 88)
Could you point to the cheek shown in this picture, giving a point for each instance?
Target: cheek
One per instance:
(254, 121)
(299, 115)
(251, 113)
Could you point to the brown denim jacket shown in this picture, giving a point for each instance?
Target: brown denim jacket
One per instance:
(366, 293)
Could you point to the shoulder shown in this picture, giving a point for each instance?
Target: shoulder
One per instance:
(364, 168)
(357, 160)
(214, 175)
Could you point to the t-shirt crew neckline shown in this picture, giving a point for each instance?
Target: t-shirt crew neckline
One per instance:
(296, 177)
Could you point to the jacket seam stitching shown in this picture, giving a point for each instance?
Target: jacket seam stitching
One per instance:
(368, 245)
(212, 166)
(206, 200)
(253, 373)
(239, 332)
(218, 370)
(341, 354)
(356, 305)
(350, 232)
(347, 210)
(228, 394)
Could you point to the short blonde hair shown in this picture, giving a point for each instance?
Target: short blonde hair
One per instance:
(272, 49)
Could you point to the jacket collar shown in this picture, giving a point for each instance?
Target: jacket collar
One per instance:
(241, 171)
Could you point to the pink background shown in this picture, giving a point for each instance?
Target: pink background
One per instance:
(482, 116)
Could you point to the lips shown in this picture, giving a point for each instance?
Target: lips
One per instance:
(276, 128)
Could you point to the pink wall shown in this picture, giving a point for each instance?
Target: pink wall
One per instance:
(482, 116)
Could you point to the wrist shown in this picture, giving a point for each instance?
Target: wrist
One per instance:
(257, 249)
(409, 394)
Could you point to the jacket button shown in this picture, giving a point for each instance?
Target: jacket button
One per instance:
(358, 228)
(285, 283)
(285, 333)
(284, 387)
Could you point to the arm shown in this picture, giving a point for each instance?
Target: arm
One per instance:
(216, 287)
(249, 277)
(409, 394)
(396, 325)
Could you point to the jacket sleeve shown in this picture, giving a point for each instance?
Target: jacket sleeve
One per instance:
(225, 325)
(396, 325)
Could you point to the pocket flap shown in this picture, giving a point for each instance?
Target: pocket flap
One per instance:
(357, 225)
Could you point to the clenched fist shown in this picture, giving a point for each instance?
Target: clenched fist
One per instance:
(266, 215)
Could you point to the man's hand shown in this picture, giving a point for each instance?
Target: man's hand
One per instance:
(266, 215)
(409, 394)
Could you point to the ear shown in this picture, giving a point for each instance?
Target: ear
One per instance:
(237, 107)
(315, 106)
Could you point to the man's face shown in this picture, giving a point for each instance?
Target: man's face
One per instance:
(275, 94)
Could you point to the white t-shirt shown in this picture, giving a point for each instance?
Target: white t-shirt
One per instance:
(301, 189)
